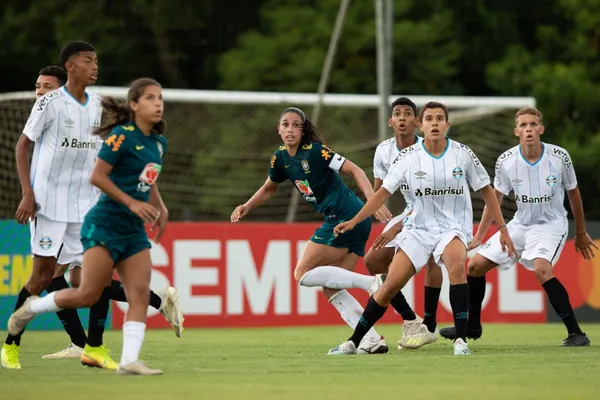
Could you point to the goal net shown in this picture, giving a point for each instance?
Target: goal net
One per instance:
(220, 144)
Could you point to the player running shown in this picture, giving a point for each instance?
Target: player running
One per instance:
(538, 173)
(416, 331)
(113, 232)
(313, 169)
(437, 172)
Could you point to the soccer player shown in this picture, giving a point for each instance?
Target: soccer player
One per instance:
(313, 169)
(539, 174)
(113, 233)
(50, 78)
(437, 171)
(416, 331)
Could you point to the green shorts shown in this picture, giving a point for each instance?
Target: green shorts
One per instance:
(120, 246)
(355, 240)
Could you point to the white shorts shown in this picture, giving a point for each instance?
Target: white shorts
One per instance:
(534, 241)
(395, 220)
(56, 239)
(419, 245)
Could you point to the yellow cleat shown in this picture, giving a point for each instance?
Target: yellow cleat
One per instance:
(10, 356)
(97, 357)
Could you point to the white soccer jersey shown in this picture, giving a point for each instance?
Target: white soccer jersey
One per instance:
(540, 187)
(64, 154)
(439, 186)
(385, 154)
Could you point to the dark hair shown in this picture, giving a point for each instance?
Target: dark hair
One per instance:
(430, 105)
(116, 113)
(309, 131)
(72, 48)
(404, 101)
(59, 73)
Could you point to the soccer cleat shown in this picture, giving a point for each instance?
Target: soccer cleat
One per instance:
(169, 308)
(137, 368)
(71, 351)
(472, 333)
(417, 337)
(345, 349)
(379, 278)
(97, 357)
(576, 340)
(407, 328)
(10, 356)
(20, 318)
(377, 346)
(461, 348)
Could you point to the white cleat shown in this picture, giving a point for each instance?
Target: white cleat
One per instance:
(137, 368)
(407, 328)
(71, 351)
(20, 318)
(418, 337)
(377, 283)
(345, 349)
(461, 348)
(368, 346)
(169, 308)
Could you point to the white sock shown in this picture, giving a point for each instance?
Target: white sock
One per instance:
(133, 337)
(351, 311)
(336, 278)
(44, 304)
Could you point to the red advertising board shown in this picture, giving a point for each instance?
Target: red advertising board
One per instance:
(232, 275)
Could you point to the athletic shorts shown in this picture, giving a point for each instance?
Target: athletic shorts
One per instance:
(395, 220)
(545, 241)
(419, 245)
(355, 240)
(56, 239)
(120, 245)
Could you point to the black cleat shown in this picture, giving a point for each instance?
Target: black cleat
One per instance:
(472, 333)
(576, 340)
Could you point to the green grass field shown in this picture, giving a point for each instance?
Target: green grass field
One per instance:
(509, 362)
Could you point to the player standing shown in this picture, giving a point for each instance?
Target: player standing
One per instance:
(313, 168)
(416, 332)
(113, 233)
(437, 171)
(539, 174)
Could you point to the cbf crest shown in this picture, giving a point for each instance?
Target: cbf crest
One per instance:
(305, 166)
(457, 173)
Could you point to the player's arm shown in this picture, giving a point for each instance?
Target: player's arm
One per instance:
(27, 206)
(266, 191)
(101, 179)
(158, 203)
(487, 219)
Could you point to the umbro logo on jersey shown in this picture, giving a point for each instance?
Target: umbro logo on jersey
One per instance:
(439, 192)
(69, 122)
(516, 182)
(420, 174)
(78, 144)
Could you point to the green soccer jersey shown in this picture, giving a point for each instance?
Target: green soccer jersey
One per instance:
(314, 172)
(137, 162)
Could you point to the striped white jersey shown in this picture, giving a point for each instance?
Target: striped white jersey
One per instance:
(539, 188)
(64, 154)
(385, 154)
(439, 186)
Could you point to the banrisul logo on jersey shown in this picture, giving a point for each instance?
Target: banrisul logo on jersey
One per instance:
(74, 143)
(439, 192)
(148, 177)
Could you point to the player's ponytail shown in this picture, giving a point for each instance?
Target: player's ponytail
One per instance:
(114, 114)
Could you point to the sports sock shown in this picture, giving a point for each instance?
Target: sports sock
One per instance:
(23, 295)
(559, 298)
(350, 310)
(98, 314)
(476, 296)
(133, 337)
(336, 278)
(401, 306)
(373, 312)
(459, 300)
(432, 298)
(69, 317)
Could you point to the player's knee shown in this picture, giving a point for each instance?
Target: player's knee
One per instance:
(88, 297)
(372, 264)
(37, 284)
(433, 275)
(456, 272)
(299, 272)
(543, 272)
(476, 267)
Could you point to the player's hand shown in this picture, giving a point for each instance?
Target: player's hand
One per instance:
(383, 214)
(343, 227)
(161, 224)
(239, 213)
(476, 242)
(507, 243)
(26, 210)
(385, 238)
(147, 212)
(584, 244)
